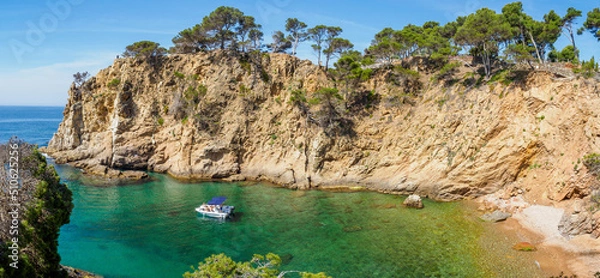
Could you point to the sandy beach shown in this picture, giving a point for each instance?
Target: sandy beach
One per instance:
(538, 225)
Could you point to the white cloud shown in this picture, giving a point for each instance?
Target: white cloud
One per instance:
(47, 85)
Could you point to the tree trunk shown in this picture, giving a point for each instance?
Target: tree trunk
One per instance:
(573, 43)
(486, 62)
(319, 56)
(295, 45)
(537, 51)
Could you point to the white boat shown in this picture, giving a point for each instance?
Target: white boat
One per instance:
(215, 208)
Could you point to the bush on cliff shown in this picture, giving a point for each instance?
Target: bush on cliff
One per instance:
(46, 205)
(592, 163)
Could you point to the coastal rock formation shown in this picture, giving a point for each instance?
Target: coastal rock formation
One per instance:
(216, 115)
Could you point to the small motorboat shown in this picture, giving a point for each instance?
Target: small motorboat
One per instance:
(215, 208)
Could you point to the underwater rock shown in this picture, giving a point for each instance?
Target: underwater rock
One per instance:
(524, 246)
(495, 216)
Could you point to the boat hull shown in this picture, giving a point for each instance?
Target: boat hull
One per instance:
(224, 213)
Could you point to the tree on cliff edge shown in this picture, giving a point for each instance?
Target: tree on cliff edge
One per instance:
(297, 32)
(223, 28)
(482, 34)
(592, 23)
(148, 50)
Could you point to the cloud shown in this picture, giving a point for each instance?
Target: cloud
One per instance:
(48, 85)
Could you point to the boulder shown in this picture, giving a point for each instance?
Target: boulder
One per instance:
(575, 223)
(413, 201)
(495, 216)
(524, 246)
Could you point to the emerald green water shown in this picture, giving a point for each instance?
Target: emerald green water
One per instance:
(152, 230)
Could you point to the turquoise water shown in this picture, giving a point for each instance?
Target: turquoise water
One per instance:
(33, 124)
(152, 230)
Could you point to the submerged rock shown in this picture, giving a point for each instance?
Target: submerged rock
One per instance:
(495, 216)
(524, 246)
(413, 201)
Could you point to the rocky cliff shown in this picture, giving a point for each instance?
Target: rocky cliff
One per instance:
(216, 115)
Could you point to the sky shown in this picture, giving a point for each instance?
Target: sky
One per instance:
(44, 42)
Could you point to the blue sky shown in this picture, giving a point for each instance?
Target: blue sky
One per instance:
(44, 42)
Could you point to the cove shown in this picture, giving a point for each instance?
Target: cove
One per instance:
(152, 230)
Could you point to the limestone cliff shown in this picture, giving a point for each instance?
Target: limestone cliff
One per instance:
(215, 115)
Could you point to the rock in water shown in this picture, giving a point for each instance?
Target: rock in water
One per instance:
(495, 216)
(524, 246)
(413, 201)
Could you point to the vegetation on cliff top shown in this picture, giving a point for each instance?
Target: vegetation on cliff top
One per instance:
(492, 39)
(45, 205)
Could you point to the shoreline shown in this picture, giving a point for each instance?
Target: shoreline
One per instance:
(538, 225)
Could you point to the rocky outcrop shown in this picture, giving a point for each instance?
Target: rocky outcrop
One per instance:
(413, 201)
(216, 115)
(580, 219)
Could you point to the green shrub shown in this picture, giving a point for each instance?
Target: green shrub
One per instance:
(407, 72)
(179, 75)
(246, 66)
(588, 69)
(592, 163)
(447, 70)
(244, 90)
(193, 94)
(202, 90)
(260, 266)
(264, 76)
(503, 76)
(114, 83)
(160, 121)
(297, 97)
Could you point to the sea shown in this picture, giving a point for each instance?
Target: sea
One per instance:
(151, 229)
(34, 124)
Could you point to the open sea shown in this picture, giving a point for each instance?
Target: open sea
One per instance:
(33, 124)
(152, 230)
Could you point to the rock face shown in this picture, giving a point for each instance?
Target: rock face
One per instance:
(413, 201)
(214, 115)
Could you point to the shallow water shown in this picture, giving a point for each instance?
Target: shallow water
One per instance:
(152, 230)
